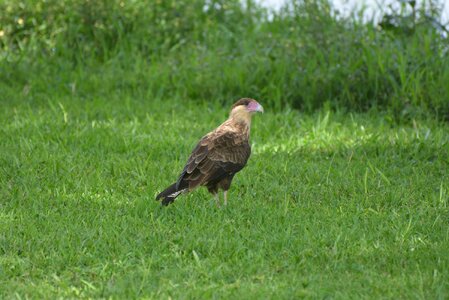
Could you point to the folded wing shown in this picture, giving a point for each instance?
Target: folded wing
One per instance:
(217, 155)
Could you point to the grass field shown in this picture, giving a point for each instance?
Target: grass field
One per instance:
(345, 195)
(330, 205)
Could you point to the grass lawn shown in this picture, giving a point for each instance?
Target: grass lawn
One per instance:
(329, 205)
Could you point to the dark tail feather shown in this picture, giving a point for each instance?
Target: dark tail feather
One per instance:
(169, 194)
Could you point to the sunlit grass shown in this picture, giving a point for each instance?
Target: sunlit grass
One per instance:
(330, 205)
(102, 101)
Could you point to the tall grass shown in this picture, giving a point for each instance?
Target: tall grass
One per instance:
(306, 56)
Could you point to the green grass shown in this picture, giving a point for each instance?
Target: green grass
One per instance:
(330, 204)
(333, 203)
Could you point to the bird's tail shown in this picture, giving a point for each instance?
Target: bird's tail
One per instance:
(169, 194)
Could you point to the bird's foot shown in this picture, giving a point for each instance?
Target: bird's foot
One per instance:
(217, 199)
(225, 196)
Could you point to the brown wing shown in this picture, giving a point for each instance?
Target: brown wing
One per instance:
(216, 156)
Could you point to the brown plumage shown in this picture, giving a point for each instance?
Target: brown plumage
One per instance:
(218, 156)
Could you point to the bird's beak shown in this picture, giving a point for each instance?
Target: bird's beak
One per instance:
(255, 107)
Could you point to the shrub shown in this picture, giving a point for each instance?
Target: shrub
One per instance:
(306, 56)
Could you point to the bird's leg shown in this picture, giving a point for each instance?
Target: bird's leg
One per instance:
(217, 199)
(225, 196)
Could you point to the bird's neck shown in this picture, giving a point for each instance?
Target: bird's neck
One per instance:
(239, 122)
(240, 115)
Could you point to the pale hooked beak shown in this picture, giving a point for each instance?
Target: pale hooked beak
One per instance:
(254, 106)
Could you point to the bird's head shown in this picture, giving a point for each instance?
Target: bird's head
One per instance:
(247, 105)
(243, 109)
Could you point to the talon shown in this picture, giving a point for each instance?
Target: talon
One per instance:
(225, 196)
(217, 199)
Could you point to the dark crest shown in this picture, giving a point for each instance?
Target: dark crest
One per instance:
(243, 101)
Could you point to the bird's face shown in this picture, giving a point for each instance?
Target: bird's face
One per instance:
(242, 111)
(253, 107)
(247, 105)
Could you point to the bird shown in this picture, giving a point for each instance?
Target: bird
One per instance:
(218, 156)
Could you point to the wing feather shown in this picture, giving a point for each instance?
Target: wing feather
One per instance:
(217, 155)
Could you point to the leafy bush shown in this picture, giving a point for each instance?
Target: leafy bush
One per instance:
(306, 56)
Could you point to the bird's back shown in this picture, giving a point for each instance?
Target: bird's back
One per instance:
(217, 155)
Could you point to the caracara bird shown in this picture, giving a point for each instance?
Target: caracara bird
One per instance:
(219, 155)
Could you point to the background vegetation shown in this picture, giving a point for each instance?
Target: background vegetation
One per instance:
(306, 56)
(345, 194)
